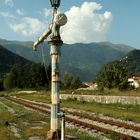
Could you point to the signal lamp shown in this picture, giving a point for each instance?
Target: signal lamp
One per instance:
(55, 3)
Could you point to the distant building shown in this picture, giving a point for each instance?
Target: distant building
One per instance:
(134, 81)
(90, 85)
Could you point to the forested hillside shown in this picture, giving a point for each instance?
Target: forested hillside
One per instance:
(84, 60)
(8, 59)
(115, 74)
(132, 62)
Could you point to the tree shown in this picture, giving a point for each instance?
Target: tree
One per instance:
(113, 76)
(1, 85)
(12, 79)
(70, 82)
(27, 76)
(37, 76)
(76, 83)
(66, 81)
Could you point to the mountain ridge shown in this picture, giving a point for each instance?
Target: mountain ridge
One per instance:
(84, 60)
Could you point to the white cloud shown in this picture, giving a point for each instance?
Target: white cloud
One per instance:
(47, 12)
(6, 15)
(107, 15)
(28, 26)
(86, 24)
(20, 12)
(9, 2)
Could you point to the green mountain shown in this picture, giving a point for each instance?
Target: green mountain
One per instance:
(84, 60)
(8, 59)
(131, 61)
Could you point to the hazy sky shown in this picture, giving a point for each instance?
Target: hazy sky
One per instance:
(117, 21)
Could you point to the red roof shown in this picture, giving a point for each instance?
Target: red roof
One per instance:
(136, 78)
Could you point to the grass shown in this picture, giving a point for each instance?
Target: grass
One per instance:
(39, 97)
(23, 116)
(80, 134)
(124, 112)
(25, 119)
(5, 116)
(28, 131)
(109, 92)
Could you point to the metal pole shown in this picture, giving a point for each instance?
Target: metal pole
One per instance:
(63, 127)
(55, 45)
(55, 101)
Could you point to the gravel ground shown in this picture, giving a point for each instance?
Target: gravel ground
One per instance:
(103, 117)
(107, 126)
(91, 133)
(13, 128)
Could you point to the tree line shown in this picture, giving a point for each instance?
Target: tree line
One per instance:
(35, 76)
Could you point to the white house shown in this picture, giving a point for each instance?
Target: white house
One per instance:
(134, 81)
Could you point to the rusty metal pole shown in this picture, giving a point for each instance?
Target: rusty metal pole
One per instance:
(55, 44)
(55, 101)
(55, 47)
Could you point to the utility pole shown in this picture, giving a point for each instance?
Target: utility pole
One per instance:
(55, 52)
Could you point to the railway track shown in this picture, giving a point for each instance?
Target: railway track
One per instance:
(74, 117)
